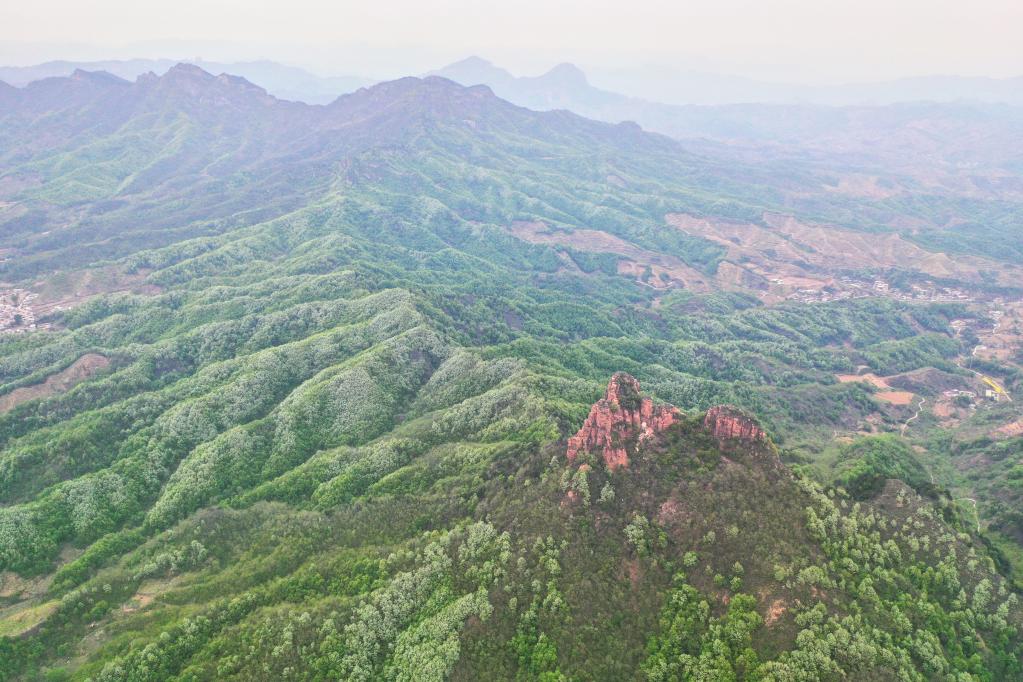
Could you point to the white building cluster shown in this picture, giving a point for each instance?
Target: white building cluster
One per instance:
(16, 314)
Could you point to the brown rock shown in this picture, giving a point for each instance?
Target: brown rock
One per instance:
(728, 423)
(622, 415)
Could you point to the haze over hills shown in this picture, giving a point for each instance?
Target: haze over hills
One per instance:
(284, 82)
(941, 135)
(932, 141)
(566, 86)
(659, 85)
(671, 86)
(423, 384)
(268, 136)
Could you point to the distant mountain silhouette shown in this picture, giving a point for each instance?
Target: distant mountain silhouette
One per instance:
(563, 87)
(983, 131)
(695, 87)
(667, 86)
(215, 146)
(282, 81)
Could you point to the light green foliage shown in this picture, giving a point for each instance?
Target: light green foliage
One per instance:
(693, 645)
(636, 533)
(607, 493)
(535, 653)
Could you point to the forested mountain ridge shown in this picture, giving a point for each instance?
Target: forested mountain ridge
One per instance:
(346, 347)
(218, 139)
(205, 147)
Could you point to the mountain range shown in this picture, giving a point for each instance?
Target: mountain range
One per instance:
(950, 131)
(422, 384)
(283, 81)
(860, 128)
(566, 85)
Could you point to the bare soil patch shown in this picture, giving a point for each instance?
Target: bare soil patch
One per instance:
(80, 370)
(868, 186)
(774, 612)
(1010, 430)
(786, 247)
(872, 379)
(664, 270)
(896, 397)
(19, 619)
(885, 394)
(71, 289)
(146, 593)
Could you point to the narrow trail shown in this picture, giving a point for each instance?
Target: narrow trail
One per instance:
(919, 409)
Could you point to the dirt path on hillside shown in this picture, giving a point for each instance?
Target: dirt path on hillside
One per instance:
(919, 409)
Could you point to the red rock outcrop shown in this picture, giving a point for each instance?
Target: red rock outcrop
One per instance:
(619, 417)
(728, 423)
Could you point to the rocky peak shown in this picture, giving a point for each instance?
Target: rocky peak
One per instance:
(187, 73)
(729, 423)
(190, 82)
(622, 416)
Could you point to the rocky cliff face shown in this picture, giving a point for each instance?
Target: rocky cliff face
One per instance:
(624, 418)
(737, 432)
(620, 417)
(728, 423)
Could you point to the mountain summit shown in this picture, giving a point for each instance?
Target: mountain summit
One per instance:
(566, 75)
(475, 71)
(622, 419)
(563, 87)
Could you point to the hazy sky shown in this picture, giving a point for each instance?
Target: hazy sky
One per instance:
(793, 40)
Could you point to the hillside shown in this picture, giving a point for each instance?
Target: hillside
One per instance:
(438, 552)
(318, 392)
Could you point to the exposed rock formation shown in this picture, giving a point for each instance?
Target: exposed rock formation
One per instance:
(623, 418)
(728, 423)
(619, 417)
